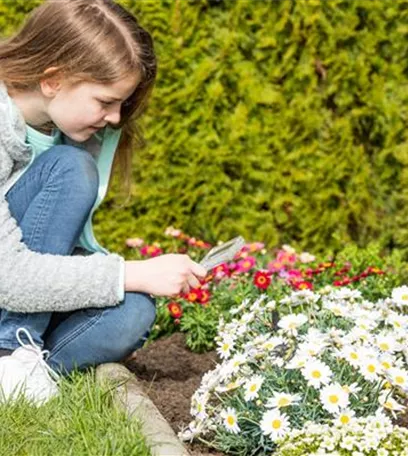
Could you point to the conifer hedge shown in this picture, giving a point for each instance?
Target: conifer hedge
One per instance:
(283, 121)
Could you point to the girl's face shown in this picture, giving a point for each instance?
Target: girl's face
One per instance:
(80, 109)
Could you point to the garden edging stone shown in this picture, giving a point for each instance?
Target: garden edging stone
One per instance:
(130, 395)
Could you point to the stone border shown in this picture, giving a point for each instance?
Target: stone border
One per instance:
(130, 395)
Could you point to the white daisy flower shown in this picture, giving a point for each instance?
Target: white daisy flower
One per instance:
(290, 323)
(230, 420)
(280, 400)
(252, 387)
(198, 405)
(345, 293)
(312, 348)
(317, 373)
(387, 361)
(351, 355)
(398, 377)
(237, 361)
(389, 403)
(230, 386)
(386, 343)
(334, 398)
(400, 296)
(270, 305)
(272, 342)
(397, 321)
(345, 417)
(352, 389)
(275, 424)
(225, 346)
(298, 361)
(370, 369)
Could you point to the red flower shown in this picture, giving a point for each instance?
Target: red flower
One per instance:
(262, 279)
(205, 297)
(193, 295)
(151, 250)
(341, 283)
(175, 309)
(303, 285)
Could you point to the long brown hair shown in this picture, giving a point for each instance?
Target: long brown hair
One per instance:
(86, 40)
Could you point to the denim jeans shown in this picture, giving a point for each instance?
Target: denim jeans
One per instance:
(51, 203)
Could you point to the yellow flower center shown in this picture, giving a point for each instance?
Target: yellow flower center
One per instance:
(252, 388)
(225, 347)
(230, 420)
(353, 355)
(344, 419)
(283, 402)
(384, 346)
(371, 368)
(333, 399)
(404, 297)
(388, 405)
(316, 374)
(292, 325)
(386, 364)
(276, 424)
(399, 379)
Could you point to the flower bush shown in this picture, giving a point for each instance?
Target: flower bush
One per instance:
(256, 270)
(330, 360)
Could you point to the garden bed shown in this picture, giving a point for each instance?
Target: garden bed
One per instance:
(170, 374)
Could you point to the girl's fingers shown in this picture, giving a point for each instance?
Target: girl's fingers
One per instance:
(198, 270)
(193, 282)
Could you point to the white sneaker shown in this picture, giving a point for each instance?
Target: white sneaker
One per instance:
(25, 373)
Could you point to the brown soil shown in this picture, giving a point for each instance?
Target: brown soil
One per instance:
(170, 374)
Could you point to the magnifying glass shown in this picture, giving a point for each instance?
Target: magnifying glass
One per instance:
(223, 253)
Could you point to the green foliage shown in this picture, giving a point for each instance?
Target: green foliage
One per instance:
(283, 121)
(200, 326)
(366, 270)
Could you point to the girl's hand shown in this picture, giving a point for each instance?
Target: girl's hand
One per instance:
(165, 275)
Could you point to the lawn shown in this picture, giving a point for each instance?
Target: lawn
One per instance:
(81, 420)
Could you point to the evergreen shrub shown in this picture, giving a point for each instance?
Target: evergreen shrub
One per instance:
(283, 121)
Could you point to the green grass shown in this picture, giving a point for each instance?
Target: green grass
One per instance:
(81, 420)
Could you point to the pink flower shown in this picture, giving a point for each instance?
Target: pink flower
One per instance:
(134, 242)
(245, 264)
(221, 271)
(170, 231)
(294, 273)
(285, 257)
(275, 266)
(253, 247)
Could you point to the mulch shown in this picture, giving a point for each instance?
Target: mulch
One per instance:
(170, 374)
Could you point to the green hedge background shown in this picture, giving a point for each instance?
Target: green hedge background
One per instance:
(284, 121)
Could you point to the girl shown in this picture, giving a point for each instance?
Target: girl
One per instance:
(72, 82)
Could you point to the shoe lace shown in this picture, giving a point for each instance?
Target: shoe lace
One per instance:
(42, 354)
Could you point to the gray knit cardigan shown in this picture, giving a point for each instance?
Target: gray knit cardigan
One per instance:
(35, 282)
